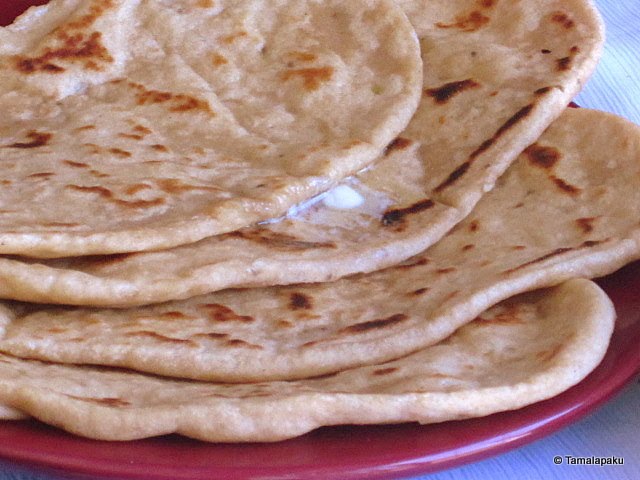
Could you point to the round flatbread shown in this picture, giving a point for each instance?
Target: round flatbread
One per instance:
(516, 87)
(114, 139)
(522, 351)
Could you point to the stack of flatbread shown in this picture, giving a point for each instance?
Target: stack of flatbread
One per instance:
(240, 220)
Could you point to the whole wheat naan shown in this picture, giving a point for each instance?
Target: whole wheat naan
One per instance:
(568, 207)
(522, 351)
(111, 141)
(489, 91)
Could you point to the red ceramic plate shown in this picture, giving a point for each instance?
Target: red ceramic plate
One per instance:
(338, 452)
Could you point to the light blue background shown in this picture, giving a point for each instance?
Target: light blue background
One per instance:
(615, 428)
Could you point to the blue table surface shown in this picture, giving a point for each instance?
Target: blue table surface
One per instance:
(615, 428)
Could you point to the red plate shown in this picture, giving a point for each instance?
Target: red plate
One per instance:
(338, 452)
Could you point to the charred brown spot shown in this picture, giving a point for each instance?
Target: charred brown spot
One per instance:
(57, 330)
(420, 291)
(541, 156)
(120, 153)
(108, 401)
(159, 148)
(175, 315)
(174, 186)
(236, 342)
(311, 77)
(324, 376)
(277, 240)
(185, 103)
(545, 51)
(446, 92)
(142, 130)
(484, 146)
(38, 139)
(221, 313)
(543, 90)
(156, 202)
(586, 224)
(474, 226)
(108, 195)
(555, 253)
(397, 215)
(454, 176)
(514, 120)
(78, 47)
(592, 243)
(72, 44)
(442, 271)
(300, 301)
(518, 247)
(138, 187)
(375, 324)
(41, 175)
(466, 248)
(302, 56)
(95, 149)
(85, 127)
(177, 102)
(564, 186)
(211, 335)
(218, 60)
(565, 63)
(464, 168)
(413, 263)
(228, 39)
(399, 143)
(385, 371)
(101, 191)
(160, 338)
(563, 19)
(467, 23)
(73, 164)
(508, 317)
(130, 136)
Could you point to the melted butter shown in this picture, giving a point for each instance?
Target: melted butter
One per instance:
(348, 205)
(343, 197)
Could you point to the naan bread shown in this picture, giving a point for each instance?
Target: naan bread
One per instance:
(525, 350)
(568, 207)
(112, 141)
(489, 91)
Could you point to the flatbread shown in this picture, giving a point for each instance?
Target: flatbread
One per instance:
(522, 351)
(112, 142)
(569, 207)
(517, 84)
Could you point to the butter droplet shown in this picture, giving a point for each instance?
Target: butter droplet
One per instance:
(343, 197)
